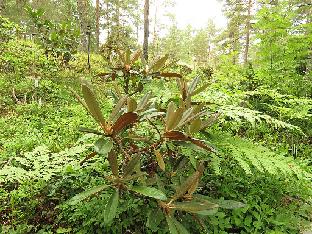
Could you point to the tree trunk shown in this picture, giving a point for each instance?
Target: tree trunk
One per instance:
(97, 26)
(82, 6)
(247, 32)
(146, 30)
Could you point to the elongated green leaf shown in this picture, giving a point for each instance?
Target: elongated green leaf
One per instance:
(171, 225)
(131, 105)
(91, 102)
(159, 64)
(184, 187)
(84, 195)
(144, 102)
(226, 204)
(175, 227)
(127, 57)
(103, 146)
(193, 206)
(111, 207)
(200, 89)
(149, 192)
(170, 111)
(193, 85)
(117, 108)
(174, 119)
(131, 165)
(195, 126)
(160, 160)
(181, 229)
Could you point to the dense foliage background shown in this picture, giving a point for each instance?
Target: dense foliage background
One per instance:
(256, 79)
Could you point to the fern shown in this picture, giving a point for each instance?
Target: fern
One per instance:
(241, 114)
(39, 164)
(254, 157)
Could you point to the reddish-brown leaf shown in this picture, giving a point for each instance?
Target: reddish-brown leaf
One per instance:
(176, 136)
(170, 75)
(124, 121)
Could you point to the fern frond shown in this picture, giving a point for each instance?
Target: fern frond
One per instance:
(257, 158)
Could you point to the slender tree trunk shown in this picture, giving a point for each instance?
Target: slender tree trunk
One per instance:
(247, 32)
(97, 26)
(82, 11)
(146, 30)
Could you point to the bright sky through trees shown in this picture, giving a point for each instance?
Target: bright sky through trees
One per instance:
(197, 13)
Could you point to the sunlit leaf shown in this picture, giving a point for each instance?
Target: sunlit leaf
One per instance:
(194, 206)
(160, 160)
(132, 105)
(103, 146)
(149, 192)
(195, 126)
(136, 56)
(86, 194)
(118, 107)
(159, 64)
(193, 85)
(91, 102)
(226, 204)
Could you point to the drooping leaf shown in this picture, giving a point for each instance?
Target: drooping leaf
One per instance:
(158, 64)
(124, 121)
(91, 102)
(111, 207)
(160, 160)
(86, 194)
(112, 159)
(149, 192)
(128, 169)
(103, 146)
